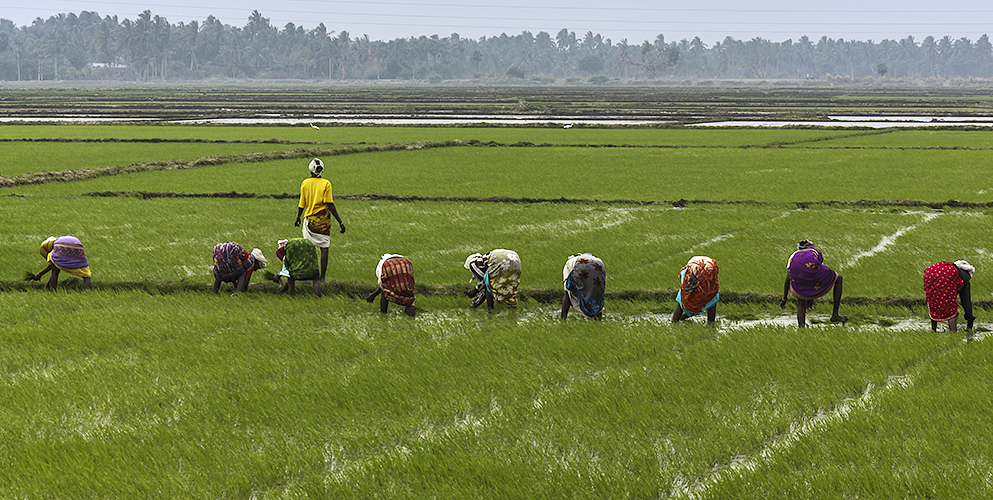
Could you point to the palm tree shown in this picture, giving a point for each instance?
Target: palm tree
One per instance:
(623, 58)
(909, 55)
(945, 52)
(161, 35)
(476, 58)
(212, 35)
(930, 51)
(103, 41)
(984, 54)
(962, 58)
(17, 42)
(341, 45)
(232, 50)
(566, 39)
(365, 54)
(190, 41)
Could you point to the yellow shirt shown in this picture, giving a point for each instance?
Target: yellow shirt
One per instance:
(315, 195)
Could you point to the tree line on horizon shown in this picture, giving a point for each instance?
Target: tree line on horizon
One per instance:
(149, 48)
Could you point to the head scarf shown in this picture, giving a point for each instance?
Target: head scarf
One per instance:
(395, 276)
(384, 258)
(965, 266)
(316, 167)
(260, 260)
(471, 258)
(699, 285)
(585, 279)
(47, 246)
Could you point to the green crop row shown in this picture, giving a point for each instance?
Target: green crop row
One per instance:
(768, 175)
(675, 136)
(29, 157)
(127, 394)
(339, 134)
(880, 252)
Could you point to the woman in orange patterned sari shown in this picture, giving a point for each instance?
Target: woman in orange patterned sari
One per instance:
(699, 289)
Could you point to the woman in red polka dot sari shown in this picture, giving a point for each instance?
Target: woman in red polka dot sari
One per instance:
(943, 281)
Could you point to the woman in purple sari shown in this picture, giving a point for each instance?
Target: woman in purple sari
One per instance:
(64, 253)
(807, 278)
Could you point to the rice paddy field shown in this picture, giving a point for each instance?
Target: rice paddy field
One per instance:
(150, 386)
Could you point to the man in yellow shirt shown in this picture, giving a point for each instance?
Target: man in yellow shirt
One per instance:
(317, 206)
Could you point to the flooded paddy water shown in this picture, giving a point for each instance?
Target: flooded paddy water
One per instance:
(530, 316)
(519, 120)
(860, 121)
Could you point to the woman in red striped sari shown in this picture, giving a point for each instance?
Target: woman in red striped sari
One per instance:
(395, 281)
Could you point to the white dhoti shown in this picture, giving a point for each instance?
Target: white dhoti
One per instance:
(319, 240)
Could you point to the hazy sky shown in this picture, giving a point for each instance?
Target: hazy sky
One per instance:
(635, 20)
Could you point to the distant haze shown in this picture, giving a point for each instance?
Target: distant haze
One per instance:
(634, 20)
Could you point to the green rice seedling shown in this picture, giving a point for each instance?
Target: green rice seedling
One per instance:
(757, 174)
(211, 396)
(163, 132)
(335, 134)
(149, 386)
(29, 157)
(131, 240)
(916, 138)
(643, 174)
(903, 255)
(913, 434)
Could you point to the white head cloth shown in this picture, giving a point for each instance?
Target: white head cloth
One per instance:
(471, 258)
(259, 258)
(316, 167)
(965, 266)
(379, 267)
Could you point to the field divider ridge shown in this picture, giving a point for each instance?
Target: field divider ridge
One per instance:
(205, 161)
(549, 296)
(681, 203)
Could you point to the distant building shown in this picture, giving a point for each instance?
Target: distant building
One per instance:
(112, 65)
